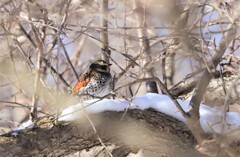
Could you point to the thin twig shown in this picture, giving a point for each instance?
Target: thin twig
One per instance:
(144, 44)
(69, 60)
(56, 73)
(104, 30)
(163, 88)
(37, 86)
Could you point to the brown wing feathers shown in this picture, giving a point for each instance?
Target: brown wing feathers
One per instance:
(83, 81)
(80, 84)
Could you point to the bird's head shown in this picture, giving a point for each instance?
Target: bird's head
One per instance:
(100, 65)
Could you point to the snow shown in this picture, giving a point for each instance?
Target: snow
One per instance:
(24, 125)
(211, 118)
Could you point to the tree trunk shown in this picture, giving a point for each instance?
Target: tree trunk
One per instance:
(160, 133)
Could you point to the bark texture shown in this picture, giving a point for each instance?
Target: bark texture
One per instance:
(147, 129)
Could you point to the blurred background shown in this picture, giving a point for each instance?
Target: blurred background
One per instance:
(46, 45)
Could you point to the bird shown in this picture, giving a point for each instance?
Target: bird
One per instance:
(95, 81)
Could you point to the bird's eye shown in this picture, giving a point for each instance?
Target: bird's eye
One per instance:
(104, 67)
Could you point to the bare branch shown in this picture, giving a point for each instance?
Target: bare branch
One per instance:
(144, 44)
(228, 36)
(35, 98)
(104, 31)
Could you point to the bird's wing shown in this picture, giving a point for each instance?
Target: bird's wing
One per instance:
(83, 81)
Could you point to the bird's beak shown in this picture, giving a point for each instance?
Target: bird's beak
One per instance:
(109, 64)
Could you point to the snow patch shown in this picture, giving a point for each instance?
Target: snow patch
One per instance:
(211, 118)
(24, 125)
